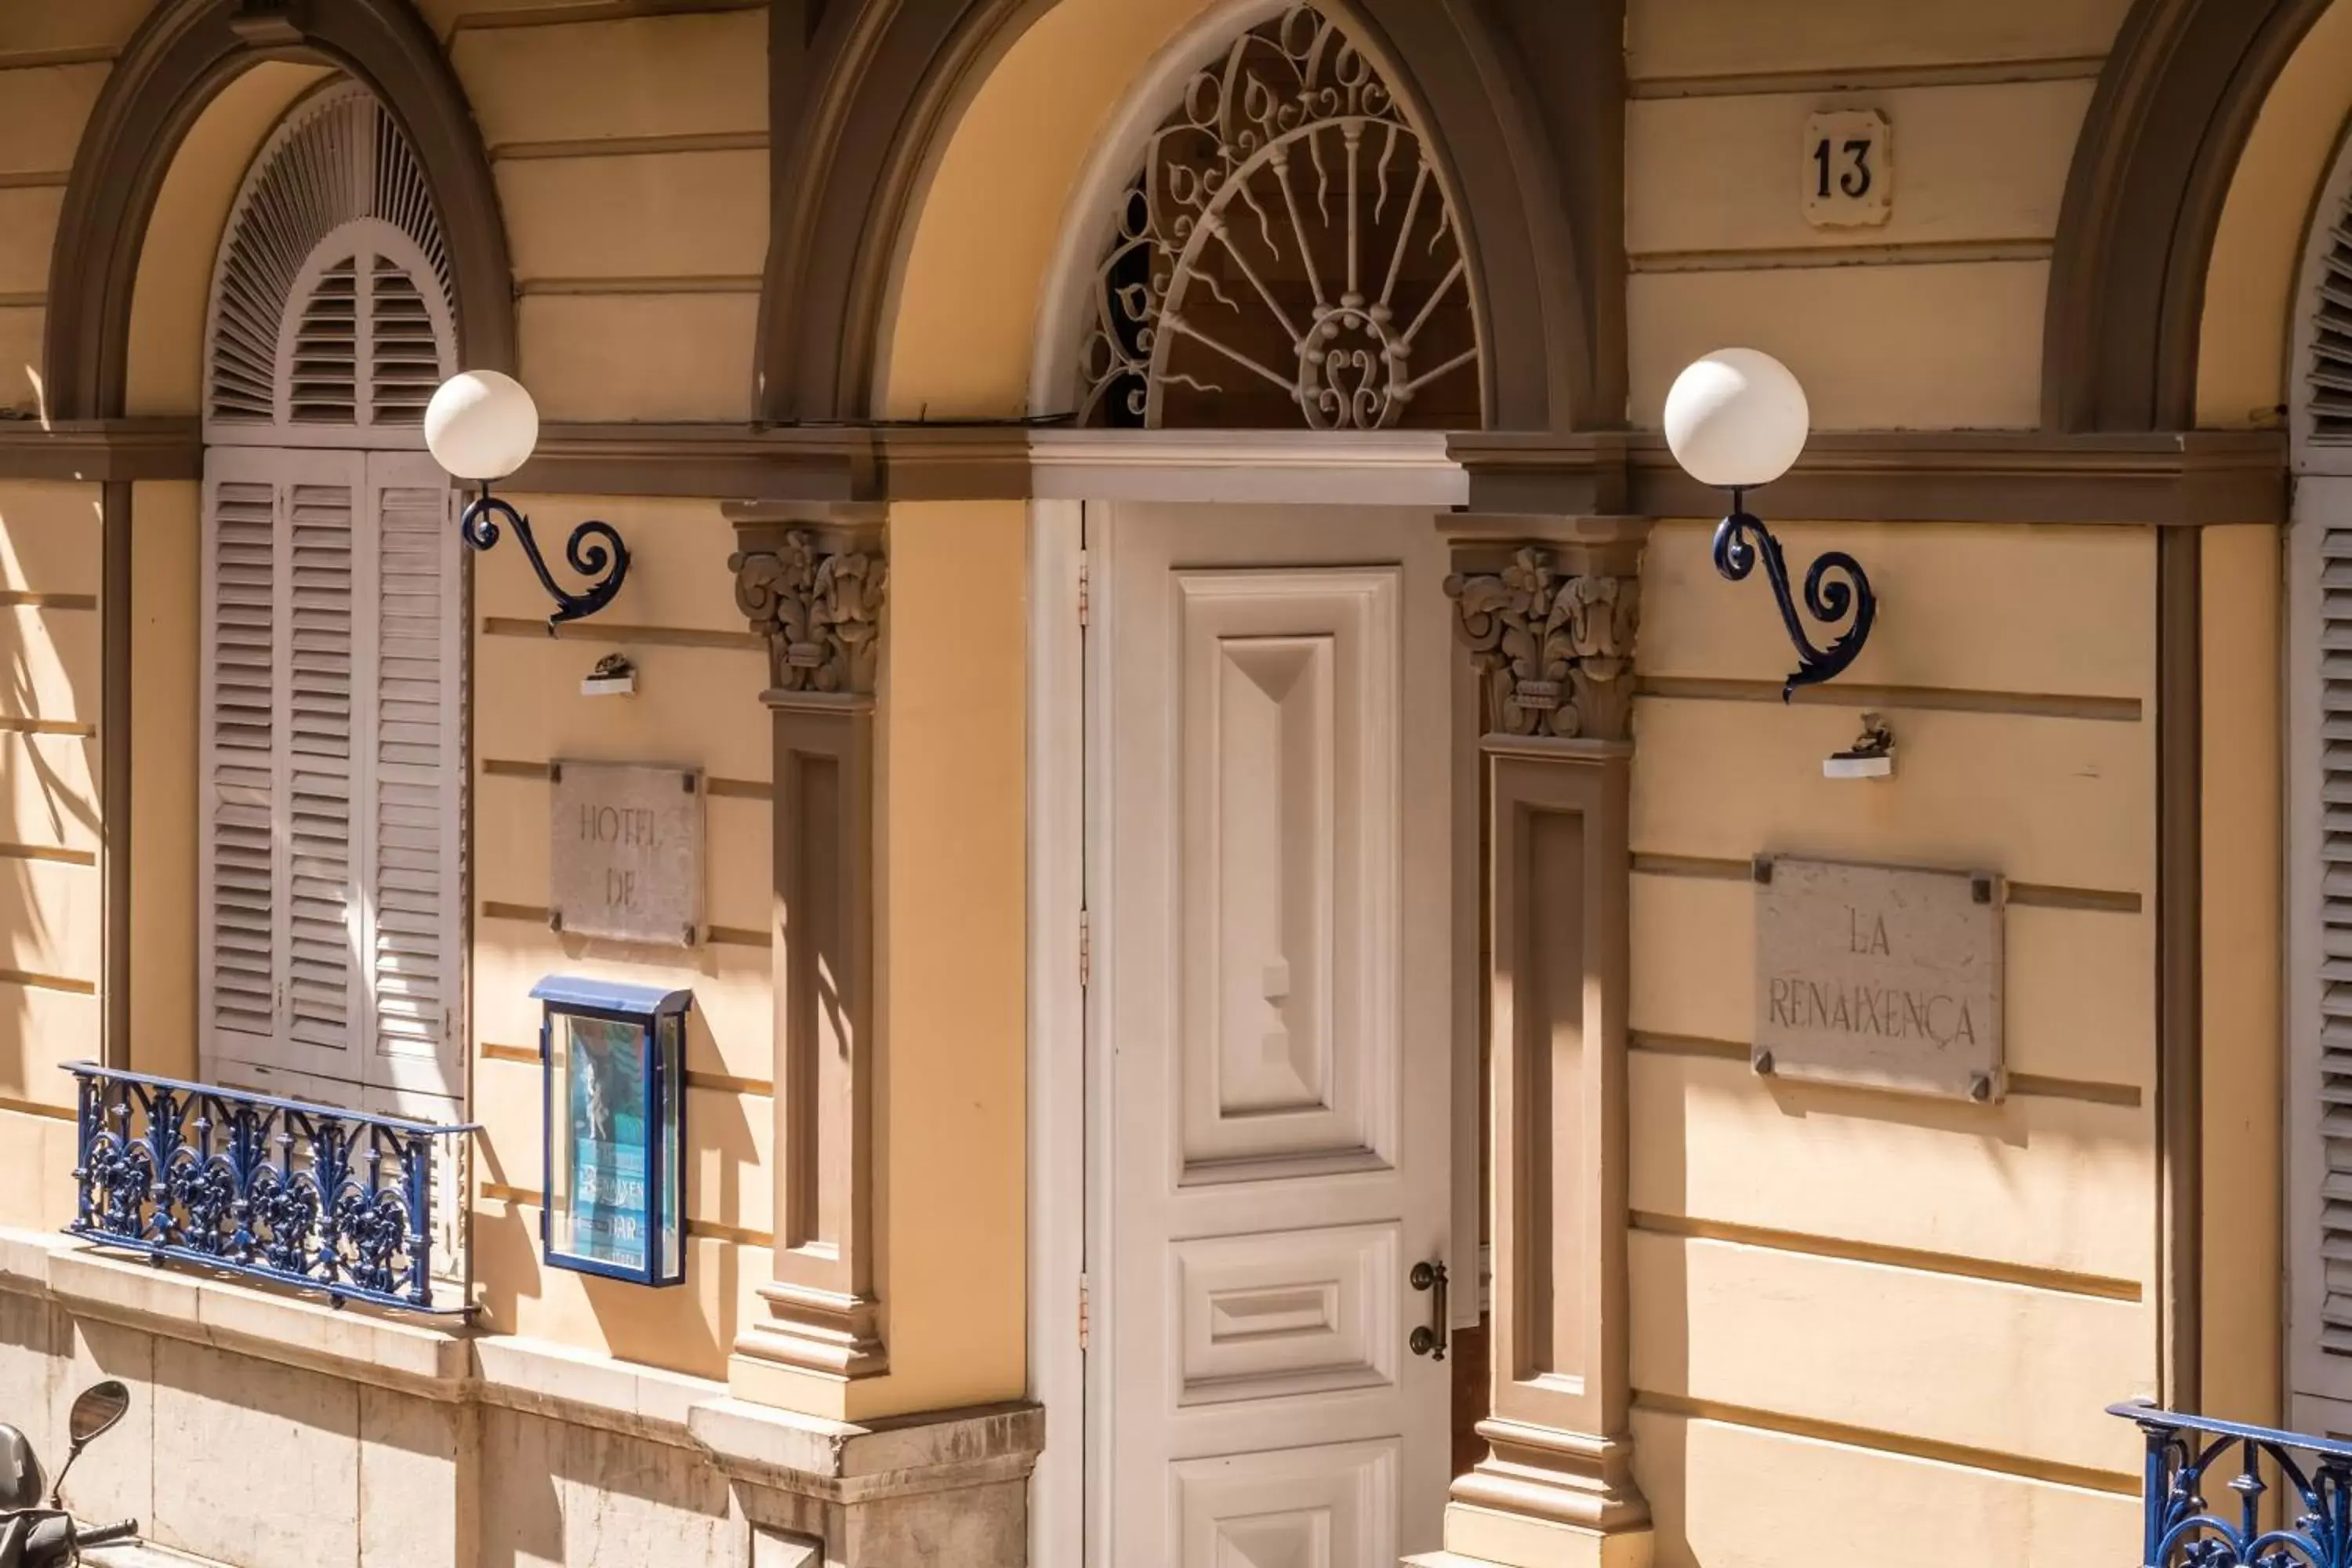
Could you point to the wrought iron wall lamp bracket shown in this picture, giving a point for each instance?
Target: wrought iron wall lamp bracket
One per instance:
(594, 550)
(481, 426)
(1835, 587)
(1737, 419)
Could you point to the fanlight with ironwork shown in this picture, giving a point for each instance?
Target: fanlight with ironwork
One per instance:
(1286, 256)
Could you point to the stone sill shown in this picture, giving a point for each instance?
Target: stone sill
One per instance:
(455, 1362)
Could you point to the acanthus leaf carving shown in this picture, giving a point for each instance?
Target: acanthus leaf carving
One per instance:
(820, 610)
(1554, 651)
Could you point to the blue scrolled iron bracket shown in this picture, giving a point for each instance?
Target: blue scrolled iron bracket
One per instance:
(594, 550)
(1835, 588)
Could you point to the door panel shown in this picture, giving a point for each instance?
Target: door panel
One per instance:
(1271, 1027)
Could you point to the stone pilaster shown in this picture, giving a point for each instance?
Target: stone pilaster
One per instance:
(1551, 630)
(814, 591)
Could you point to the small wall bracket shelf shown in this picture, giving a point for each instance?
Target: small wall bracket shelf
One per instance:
(1835, 588)
(594, 550)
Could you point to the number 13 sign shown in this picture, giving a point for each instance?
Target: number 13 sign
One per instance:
(1848, 169)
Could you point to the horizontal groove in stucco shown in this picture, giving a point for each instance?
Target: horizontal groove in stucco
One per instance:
(1927, 698)
(19, 726)
(2036, 895)
(24, 301)
(724, 936)
(594, 11)
(1905, 253)
(714, 1082)
(34, 179)
(727, 789)
(1916, 1260)
(48, 981)
(48, 59)
(35, 1108)
(1868, 79)
(2031, 1086)
(18, 599)
(711, 1230)
(592, 288)
(680, 144)
(1892, 1443)
(48, 852)
(604, 632)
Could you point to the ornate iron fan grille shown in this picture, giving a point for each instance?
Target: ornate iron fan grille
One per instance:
(1286, 256)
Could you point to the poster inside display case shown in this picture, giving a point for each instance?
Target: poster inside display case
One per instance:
(615, 1112)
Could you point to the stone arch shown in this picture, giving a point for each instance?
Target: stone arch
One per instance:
(176, 67)
(880, 95)
(2152, 174)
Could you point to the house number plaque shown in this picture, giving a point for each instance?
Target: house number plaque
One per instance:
(625, 852)
(1848, 169)
(1879, 977)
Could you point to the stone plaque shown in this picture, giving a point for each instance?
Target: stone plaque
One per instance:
(1879, 977)
(625, 858)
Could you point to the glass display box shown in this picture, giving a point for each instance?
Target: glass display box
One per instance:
(614, 1064)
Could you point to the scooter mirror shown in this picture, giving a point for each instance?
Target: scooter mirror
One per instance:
(20, 1471)
(101, 1404)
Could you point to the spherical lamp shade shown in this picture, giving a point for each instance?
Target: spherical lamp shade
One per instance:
(481, 426)
(1737, 419)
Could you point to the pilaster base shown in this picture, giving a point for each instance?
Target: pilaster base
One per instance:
(812, 1352)
(1547, 1498)
(946, 1487)
(1484, 1538)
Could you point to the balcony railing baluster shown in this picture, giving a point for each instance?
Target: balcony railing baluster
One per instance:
(2182, 1527)
(331, 1200)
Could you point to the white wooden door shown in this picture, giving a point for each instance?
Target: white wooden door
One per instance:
(1268, 894)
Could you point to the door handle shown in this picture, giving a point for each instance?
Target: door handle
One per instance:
(1429, 1340)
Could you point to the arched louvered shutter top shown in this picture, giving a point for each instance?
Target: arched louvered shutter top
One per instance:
(331, 303)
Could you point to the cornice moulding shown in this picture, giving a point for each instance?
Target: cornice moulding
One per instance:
(2165, 478)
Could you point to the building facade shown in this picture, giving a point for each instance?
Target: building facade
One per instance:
(1227, 1021)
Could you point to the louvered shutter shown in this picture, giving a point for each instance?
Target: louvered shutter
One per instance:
(416, 777)
(280, 914)
(2319, 1195)
(242, 958)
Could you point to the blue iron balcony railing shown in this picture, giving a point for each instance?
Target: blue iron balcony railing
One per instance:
(2191, 1458)
(335, 1201)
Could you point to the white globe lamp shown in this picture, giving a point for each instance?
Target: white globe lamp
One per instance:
(1737, 419)
(481, 426)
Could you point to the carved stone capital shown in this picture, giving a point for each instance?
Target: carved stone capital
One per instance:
(816, 595)
(1552, 640)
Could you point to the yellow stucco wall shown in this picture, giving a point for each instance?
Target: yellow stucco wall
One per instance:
(50, 943)
(1837, 1293)
(1932, 1301)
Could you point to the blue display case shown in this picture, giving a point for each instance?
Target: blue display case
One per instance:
(612, 1059)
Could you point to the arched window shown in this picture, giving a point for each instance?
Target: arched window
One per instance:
(1287, 255)
(332, 303)
(331, 914)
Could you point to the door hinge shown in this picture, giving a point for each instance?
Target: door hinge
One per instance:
(1085, 1315)
(1085, 949)
(1086, 591)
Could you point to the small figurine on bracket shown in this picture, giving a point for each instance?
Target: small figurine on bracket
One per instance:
(1871, 756)
(613, 676)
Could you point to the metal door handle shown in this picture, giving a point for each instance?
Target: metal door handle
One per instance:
(1429, 1340)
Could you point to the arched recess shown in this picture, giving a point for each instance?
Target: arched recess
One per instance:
(2175, 107)
(177, 64)
(879, 95)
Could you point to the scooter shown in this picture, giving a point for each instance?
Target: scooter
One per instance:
(32, 1536)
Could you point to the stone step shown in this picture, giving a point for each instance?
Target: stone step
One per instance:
(1443, 1559)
